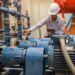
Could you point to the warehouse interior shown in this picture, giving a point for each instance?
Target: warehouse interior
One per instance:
(28, 44)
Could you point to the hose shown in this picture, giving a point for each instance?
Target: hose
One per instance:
(66, 55)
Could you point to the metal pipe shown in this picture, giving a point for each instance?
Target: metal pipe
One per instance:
(66, 55)
(58, 36)
(12, 12)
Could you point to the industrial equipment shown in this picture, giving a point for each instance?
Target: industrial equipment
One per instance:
(34, 56)
(7, 36)
(13, 12)
(42, 57)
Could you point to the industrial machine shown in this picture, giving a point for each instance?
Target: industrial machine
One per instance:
(45, 56)
(34, 56)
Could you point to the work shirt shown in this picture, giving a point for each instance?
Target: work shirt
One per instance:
(57, 25)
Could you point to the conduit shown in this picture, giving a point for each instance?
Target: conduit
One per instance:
(66, 55)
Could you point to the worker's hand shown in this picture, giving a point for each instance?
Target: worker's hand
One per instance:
(27, 32)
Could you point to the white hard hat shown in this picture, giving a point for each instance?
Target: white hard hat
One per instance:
(53, 9)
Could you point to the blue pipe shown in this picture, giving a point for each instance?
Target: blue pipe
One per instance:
(12, 12)
(19, 20)
(68, 23)
(6, 37)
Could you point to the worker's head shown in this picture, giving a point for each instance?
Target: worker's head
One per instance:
(53, 10)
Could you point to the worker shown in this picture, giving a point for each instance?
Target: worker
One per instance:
(54, 23)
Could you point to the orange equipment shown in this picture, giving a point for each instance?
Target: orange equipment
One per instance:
(68, 6)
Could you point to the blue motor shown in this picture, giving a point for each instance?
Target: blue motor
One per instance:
(26, 44)
(37, 39)
(34, 42)
(12, 56)
(31, 58)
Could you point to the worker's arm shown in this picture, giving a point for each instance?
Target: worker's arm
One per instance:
(38, 25)
(41, 23)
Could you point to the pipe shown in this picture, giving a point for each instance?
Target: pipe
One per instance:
(66, 55)
(68, 23)
(12, 12)
(57, 36)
